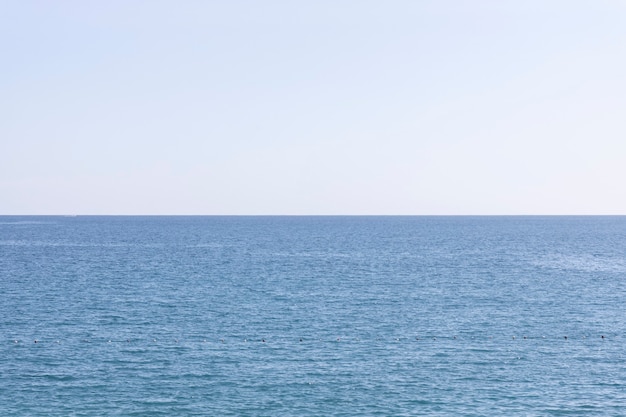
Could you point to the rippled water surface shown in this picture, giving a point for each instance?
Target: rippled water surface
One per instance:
(296, 316)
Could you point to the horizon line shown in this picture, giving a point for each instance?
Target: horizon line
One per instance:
(316, 215)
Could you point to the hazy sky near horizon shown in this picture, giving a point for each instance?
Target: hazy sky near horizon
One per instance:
(318, 107)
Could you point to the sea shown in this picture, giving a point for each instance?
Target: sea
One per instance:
(312, 316)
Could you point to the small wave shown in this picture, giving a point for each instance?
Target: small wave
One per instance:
(584, 263)
(316, 254)
(41, 243)
(60, 378)
(24, 222)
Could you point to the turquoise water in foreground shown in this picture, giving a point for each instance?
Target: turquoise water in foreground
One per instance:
(312, 316)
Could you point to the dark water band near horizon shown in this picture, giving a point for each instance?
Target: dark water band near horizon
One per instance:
(312, 316)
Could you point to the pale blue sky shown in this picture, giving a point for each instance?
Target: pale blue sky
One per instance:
(313, 107)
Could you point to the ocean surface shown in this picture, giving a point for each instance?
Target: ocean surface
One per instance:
(312, 316)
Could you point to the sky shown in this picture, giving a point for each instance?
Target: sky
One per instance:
(420, 107)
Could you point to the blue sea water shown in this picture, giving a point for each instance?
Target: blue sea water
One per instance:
(312, 316)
